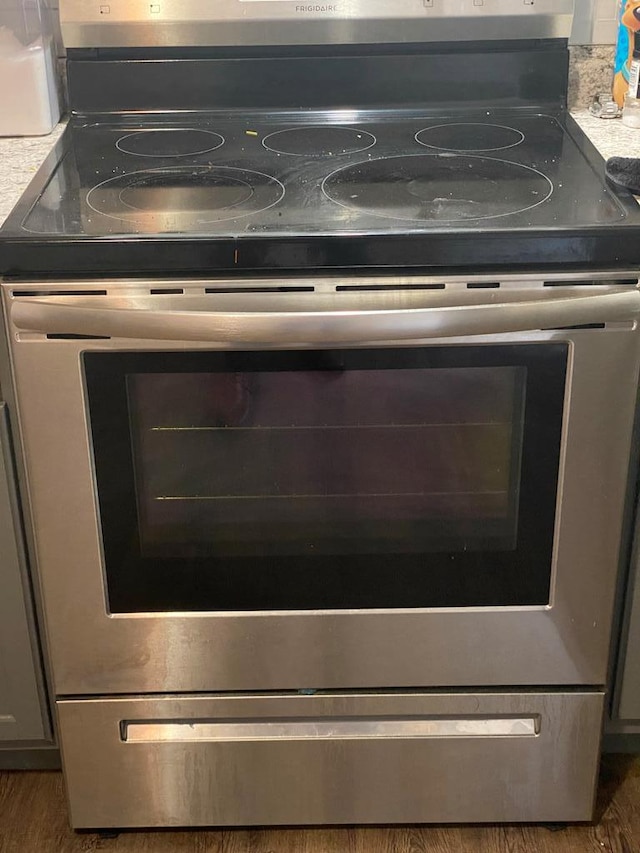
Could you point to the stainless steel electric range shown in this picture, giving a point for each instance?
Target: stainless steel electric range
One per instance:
(323, 332)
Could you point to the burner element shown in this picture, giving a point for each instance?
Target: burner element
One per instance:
(177, 194)
(319, 141)
(170, 142)
(470, 137)
(184, 199)
(438, 188)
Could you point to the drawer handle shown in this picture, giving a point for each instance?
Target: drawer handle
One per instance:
(328, 729)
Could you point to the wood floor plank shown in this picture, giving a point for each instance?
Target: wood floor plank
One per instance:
(33, 819)
(618, 827)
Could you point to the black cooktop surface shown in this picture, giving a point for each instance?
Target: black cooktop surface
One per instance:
(317, 189)
(320, 174)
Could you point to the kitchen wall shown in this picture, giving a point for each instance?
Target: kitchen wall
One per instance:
(595, 22)
(54, 5)
(594, 34)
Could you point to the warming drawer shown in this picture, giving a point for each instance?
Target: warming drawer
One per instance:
(331, 759)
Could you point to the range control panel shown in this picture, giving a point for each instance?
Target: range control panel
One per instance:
(198, 23)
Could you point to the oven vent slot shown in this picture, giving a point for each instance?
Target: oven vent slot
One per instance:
(26, 294)
(574, 328)
(365, 287)
(483, 285)
(258, 289)
(590, 282)
(60, 337)
(167, 291)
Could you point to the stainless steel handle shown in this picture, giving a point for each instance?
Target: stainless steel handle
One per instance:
(317, 319)
(286, 730)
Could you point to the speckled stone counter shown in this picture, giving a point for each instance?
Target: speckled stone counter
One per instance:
(20, 158)
(610, 136)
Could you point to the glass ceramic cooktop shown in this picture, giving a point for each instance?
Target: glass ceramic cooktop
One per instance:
(314, 174)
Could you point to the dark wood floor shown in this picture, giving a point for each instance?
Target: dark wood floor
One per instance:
(33, 820)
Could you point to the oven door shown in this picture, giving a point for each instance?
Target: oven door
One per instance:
(218, 507)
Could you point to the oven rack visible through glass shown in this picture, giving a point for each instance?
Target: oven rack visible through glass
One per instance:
(333, 479)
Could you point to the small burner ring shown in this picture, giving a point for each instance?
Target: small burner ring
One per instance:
(170, 142)
(328, 140)
(469, 137)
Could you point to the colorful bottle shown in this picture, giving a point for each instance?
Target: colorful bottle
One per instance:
(629, 26)
(634, 71)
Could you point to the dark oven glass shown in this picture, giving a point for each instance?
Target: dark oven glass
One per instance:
(384, 478)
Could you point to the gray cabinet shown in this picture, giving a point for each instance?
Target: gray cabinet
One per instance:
(23, 716)
(629, 672)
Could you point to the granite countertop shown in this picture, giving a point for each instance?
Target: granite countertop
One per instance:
(610, 136)
(20, 158)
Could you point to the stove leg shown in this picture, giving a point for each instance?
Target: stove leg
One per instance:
(101, 834)
(555, 827)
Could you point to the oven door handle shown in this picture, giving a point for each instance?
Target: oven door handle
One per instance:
(371, 318)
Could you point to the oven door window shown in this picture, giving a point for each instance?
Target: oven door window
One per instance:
(386, 478)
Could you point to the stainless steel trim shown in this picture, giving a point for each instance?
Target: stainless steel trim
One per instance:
(323, 319)
(192, 732)
(190, 23)
(23, 704)
(628, 674)
(324, 283)
(331, 780)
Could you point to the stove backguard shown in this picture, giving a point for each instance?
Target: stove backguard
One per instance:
(137, 23)
(500, 74)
